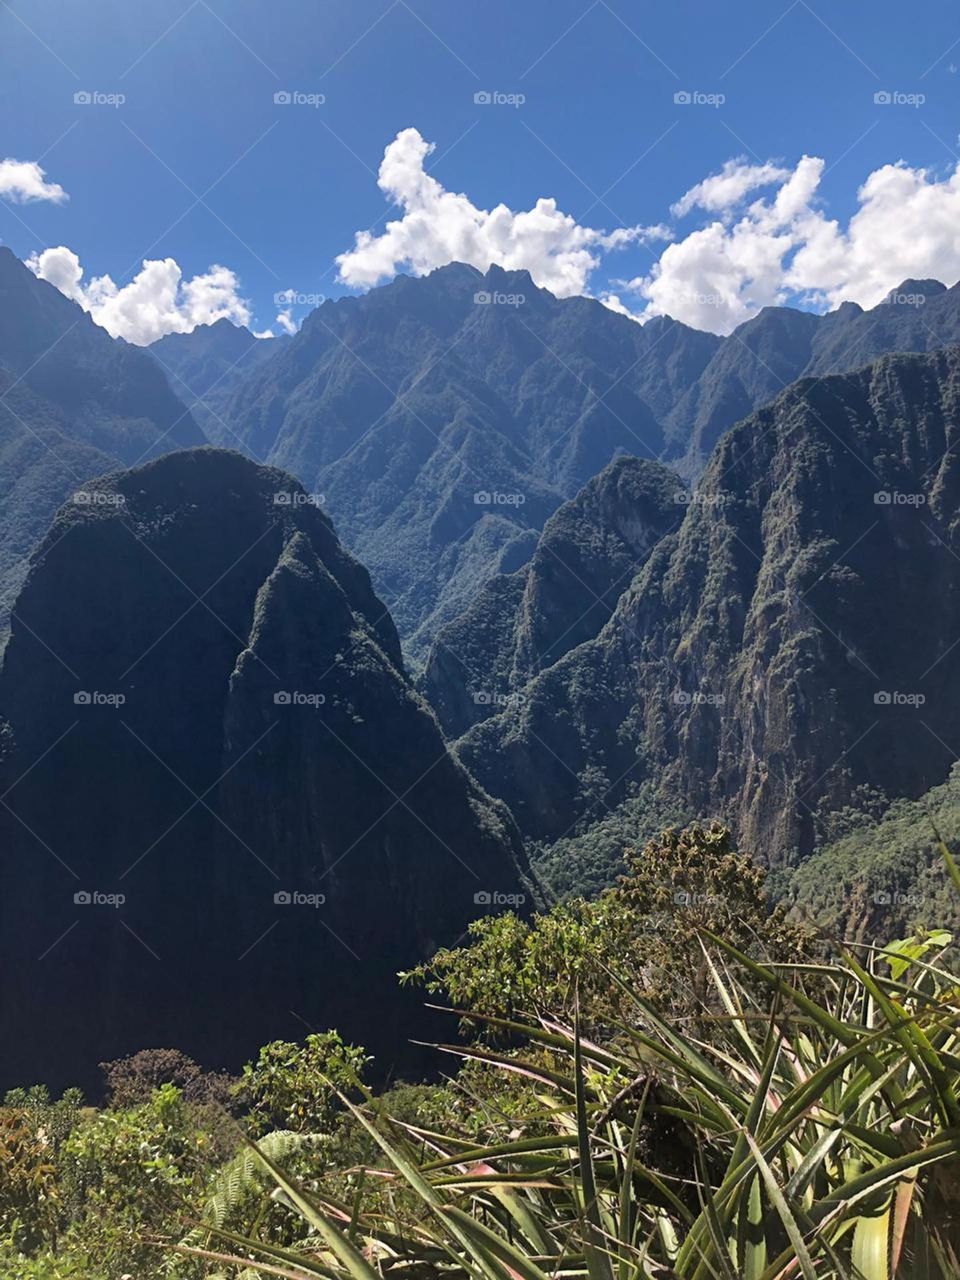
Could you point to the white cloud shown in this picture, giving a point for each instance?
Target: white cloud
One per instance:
(156, 301)
(727, 188)
(23, 181)
(784, 249)
(440, 226)
(285, 321)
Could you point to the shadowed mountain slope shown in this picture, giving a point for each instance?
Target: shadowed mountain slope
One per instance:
(204, 680)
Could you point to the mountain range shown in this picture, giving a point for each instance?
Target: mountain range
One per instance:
(793, 639)
(618, 575)
(443, 420)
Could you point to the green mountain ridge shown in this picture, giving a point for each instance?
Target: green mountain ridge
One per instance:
(519, 624)
(403, 405)
(792, 640)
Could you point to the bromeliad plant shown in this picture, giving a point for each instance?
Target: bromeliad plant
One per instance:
(813, 1130)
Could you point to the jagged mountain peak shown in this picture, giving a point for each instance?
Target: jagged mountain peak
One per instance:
(912, 292)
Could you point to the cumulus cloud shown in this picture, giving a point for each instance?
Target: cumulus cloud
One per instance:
(782, 248)
(724, 190)
(23, 181)
(156, 301)
(440, 226)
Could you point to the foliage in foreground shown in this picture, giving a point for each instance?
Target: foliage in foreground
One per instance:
(788, 1117)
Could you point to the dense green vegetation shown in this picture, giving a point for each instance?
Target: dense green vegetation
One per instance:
(671, 1081)
(885, 875)
(788, 645)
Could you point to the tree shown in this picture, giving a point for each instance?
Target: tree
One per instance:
(294, 1086)
(644, 931)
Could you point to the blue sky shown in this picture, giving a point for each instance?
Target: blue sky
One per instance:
(285, 187)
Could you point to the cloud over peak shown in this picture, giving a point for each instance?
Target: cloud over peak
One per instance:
(155, 302)
(440, 226)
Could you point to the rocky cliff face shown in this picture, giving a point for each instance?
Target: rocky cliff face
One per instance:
(794, 638)
(521, 623)
(207, 713)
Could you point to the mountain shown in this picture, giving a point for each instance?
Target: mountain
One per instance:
(779, 345)
(206, 712)
(74, 403)
(442, 417)
(203, 365)
(795, 638)
(520, 623)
